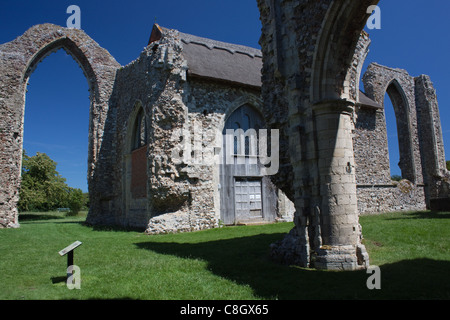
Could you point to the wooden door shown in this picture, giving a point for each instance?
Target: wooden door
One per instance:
(248, 197)
(242, 185)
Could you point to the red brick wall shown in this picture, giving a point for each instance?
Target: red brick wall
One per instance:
(139, 173)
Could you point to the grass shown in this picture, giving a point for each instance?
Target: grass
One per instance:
(412, 250)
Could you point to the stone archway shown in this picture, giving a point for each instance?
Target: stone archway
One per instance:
(18, 59)
(308, 48)
(405, 144)
(400, 87)
(422, 155)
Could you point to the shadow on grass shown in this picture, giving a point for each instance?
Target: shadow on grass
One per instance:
(245, 261)
(422, 215)
(56, 280)
(25, 217)
(112, 228)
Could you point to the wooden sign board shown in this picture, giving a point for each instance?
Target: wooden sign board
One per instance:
(70, 248)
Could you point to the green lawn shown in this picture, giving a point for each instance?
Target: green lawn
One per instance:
(412, 249)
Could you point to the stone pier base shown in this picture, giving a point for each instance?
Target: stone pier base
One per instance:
(295, 250)
(341, 258)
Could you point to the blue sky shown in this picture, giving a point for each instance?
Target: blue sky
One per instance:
(414, 36)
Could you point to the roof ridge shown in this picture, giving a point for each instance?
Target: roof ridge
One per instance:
(211, 44)
(217, 60)
(187, 38)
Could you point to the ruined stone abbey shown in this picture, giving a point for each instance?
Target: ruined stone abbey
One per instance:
(158, 143)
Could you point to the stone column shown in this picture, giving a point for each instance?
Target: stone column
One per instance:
(436, 176)
(339, 221)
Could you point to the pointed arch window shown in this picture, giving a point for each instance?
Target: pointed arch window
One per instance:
(245, 121)
(138, 159)
(140, 131)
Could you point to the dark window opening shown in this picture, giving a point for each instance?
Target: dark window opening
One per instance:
(140, 131)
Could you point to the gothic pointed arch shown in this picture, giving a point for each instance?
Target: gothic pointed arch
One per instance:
(402, 112)
(337, 42)
(138, 148)
(18, 59)
(399, 86)
(137, 128)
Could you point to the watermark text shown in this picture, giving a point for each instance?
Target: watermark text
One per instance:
(374, 21)
(73, 277)
(74, 21)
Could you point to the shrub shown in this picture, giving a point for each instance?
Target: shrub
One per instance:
(76, 201)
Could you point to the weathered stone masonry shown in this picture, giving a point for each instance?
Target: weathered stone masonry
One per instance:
(422, 156)
(311, 74)
(334, 161)
(306, 75)
(17, 61)
(178, 90)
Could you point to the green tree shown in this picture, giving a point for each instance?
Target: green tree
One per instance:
(448, 165)
(43, 188)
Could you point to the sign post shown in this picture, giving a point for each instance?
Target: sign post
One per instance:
(69, 252)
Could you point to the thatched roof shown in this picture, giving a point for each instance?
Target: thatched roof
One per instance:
(220, 61)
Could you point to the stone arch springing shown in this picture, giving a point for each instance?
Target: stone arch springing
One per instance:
(18, 59)
(334, 51)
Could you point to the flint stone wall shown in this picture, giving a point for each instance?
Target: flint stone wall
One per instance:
(18, 59)
(180, 197)
(422, 156)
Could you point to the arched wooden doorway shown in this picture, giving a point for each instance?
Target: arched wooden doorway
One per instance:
(247, 196)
